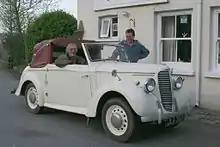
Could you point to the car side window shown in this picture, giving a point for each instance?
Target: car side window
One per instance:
(58, 51)
(82, 55)
(94, 51)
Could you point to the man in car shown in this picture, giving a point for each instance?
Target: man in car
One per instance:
(133, 48)
(70, 56)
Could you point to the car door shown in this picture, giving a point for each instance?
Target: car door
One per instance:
(68, 86)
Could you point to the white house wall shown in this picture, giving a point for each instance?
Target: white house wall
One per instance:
(146, 32)
(144, 17)
(210, 86)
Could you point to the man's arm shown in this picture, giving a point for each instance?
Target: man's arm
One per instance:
(80, 60)
(144, 52)
(116, 52)
(62, 61)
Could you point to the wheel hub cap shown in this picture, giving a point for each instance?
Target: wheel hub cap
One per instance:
(116, 120)
(32, 98)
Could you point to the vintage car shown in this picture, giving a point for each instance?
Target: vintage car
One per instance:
(122, 93)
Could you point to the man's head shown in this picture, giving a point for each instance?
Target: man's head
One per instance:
(130, 34)
(71, 49)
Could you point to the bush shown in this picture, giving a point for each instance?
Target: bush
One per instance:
(49, 25)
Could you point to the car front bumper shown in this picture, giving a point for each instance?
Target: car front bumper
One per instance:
(163, 115)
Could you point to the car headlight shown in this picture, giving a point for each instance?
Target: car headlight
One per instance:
(150, 85)
(178, 83)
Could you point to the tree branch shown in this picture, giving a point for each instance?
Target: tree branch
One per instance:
(19, 13)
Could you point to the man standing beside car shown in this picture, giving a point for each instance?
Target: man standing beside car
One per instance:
(133, 48)
(69, 57)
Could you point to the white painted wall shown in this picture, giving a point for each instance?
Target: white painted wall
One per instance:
(210, 86)
(146, 31)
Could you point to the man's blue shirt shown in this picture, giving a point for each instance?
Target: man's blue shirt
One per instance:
(134, 52)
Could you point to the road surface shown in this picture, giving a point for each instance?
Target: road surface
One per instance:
(19, 128)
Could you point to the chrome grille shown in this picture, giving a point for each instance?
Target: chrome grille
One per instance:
(165, 89)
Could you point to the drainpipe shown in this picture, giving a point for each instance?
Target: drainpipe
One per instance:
(198, 53)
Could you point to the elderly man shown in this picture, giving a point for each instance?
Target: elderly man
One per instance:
(70, 57)
(133, 48)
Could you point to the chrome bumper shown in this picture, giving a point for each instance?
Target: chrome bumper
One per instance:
(163, 115)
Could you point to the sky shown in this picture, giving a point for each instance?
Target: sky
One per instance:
(69, 6)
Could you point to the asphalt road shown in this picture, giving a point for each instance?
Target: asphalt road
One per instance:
(19, 128)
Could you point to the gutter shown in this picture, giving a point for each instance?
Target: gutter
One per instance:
(198, 53)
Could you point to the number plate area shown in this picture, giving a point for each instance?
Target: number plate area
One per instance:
(173, 120)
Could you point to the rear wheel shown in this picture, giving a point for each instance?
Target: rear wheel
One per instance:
(32, 99)
(118, 120)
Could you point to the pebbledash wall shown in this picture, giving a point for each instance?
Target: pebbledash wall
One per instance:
(184, 34)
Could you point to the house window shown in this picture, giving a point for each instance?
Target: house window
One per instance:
(108, 27)
(216, 40)
(176, 38)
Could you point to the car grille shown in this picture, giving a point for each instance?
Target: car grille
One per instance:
(165, 89)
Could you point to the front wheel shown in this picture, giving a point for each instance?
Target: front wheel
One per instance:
(118, 120)
(32, 99)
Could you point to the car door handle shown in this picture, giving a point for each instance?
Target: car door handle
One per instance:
(85, 76)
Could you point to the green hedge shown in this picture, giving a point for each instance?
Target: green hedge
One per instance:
(49, 25)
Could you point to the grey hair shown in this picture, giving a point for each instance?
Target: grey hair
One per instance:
(69, 45)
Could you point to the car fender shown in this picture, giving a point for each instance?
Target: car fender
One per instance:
(31, 77)
(134, 95)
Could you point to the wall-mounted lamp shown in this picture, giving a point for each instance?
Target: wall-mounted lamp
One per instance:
(132, 22)
(126, 14)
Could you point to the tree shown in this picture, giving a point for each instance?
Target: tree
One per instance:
(17, 14)
(49, 25)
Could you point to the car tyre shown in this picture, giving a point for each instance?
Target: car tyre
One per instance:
(118, 120)
(32, 99)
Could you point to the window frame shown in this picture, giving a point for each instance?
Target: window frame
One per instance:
(180, 67)
(215, 40)
(109, 34)
(102, 35)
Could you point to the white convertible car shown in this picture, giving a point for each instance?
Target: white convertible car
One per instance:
(123, 94)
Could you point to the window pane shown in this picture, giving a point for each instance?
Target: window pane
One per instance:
(183, 26)
(105, 26)
(184, 50)
(169, 51)
(176, 51)
(168, 27)
(115, 20)
(114, 27)
(218, 52)
(115, 33)
(219, 25)
(114, 30)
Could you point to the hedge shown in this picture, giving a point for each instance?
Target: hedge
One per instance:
(47, 26)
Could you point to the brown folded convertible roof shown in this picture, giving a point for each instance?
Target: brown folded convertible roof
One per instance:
(42, 52)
